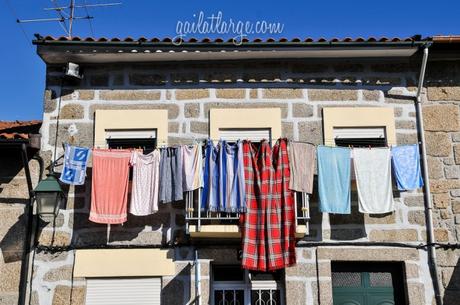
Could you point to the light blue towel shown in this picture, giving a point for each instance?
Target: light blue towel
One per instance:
(406, 167)
(334, 168)
(75, 161)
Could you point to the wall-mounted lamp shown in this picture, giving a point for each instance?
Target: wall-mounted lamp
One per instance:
(49, 196)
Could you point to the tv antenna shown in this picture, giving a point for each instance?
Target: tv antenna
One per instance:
(66, 14)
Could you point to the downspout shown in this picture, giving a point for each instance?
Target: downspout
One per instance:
(31, 229)
(24, 279)
(197, 280)
(426, 186)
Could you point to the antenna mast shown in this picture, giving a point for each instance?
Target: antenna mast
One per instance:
(66, 14)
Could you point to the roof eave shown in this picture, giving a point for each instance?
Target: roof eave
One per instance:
(59, 52)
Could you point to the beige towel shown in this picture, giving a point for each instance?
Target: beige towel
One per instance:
(302, 157)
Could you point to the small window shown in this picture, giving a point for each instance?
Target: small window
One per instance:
(360, 137)
(359, 126)
(233, 285)
(254, 124)
(144, 139)
(130, 128)
(253, 134)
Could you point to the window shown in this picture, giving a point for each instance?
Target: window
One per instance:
(254, 134)
(360, 137)
(230, 125)
(130, 128)
(248, 123)
(123, 291)
(359, 126)
(233, 285)
(144, 139)
(367, 283)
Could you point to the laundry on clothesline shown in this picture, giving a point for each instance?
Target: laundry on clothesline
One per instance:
(373, 180)
(406, 167)
(302, 157)
(109, 188)
(334, 183)
(75, 162)
(146, 183)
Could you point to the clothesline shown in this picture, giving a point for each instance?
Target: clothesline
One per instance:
(201, 141)
(221, 160)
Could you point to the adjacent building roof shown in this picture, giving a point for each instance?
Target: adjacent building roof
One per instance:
(19, 130)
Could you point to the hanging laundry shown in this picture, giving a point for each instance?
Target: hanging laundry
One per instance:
(257, 172)
(171, 187)
(210, 194)
(146, 172)
(269, 223)
(231, 178)
(109, 191)
(281, 212)
(192, 170)
(302, 157)
(75, 161)
(406, 167)
(373, 180)
(334, 179)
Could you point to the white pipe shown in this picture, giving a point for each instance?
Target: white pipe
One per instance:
(426, 186)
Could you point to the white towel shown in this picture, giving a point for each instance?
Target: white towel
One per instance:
(373, 180)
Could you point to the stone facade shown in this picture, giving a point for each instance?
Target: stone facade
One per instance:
(14, 197)
(301, 91)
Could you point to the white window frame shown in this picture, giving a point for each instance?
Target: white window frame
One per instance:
(252, 134)
(371, 132)
(248, 285)
(131, 133)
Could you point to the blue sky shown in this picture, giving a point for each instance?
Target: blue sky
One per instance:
(22, 77)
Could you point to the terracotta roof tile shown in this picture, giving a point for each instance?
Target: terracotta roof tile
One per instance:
(221, 40)
(19, 129)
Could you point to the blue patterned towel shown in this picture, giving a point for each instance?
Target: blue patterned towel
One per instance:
(75, 161)
(406, 167)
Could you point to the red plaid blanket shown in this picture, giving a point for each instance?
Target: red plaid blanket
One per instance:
(269, 231)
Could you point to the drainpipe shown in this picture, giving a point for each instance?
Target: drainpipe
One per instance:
(426, 186)
(25, 267)
(197, 280)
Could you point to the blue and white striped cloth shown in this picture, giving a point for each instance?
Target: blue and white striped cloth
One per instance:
(75, 162)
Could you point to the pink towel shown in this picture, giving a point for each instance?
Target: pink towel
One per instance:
(109, 191)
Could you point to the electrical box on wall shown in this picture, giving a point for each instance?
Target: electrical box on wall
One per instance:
(73, 70)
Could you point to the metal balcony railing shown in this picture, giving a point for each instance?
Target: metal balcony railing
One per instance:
(195, 216)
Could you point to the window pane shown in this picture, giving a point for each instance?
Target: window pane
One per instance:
(265, 297)
(228, 273)
(380, 279)
(346, 279)
(229, 297)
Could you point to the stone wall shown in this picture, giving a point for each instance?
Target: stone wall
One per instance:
(13, 200)
(301, 91)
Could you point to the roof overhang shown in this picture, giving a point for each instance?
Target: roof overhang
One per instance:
(60, 52)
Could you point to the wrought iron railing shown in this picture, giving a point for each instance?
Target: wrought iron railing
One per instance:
(198, 217)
